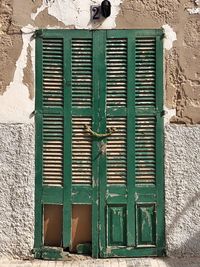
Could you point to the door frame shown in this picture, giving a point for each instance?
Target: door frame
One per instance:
(42, 194)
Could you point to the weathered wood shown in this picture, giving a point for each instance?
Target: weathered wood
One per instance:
(106, 78)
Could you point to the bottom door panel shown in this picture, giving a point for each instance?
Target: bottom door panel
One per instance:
(146, 224)
(116, 225)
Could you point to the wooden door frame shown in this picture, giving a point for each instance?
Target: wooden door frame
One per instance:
(59, 197)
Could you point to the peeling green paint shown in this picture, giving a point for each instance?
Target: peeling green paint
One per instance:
(123, 219)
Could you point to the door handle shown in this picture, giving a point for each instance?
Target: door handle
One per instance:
(95, 134)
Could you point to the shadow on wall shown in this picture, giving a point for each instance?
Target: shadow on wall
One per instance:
(182, 190)
(183, 229)
(189, 205)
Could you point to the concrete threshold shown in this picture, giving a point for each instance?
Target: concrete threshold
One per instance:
(120, 262)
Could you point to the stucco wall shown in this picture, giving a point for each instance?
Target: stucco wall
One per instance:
(16, 189)
(182, 187)
(182, 190)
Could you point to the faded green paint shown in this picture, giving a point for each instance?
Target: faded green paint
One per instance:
(146, 224)
(127, 218)
(38, 147)
(117, 229)
(85, 249)
(67, 207)
(95, 148)
(49, 253)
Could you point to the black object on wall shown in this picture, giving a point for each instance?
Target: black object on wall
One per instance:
(105, 8)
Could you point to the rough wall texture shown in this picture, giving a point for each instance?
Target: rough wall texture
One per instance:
(10, 44)
(16, 190)
(182, 76)
(182, 172)
(182, 62)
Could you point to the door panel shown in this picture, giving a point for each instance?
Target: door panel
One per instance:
(146, 224)
(99, 130)
(131, 218)
(116, 229)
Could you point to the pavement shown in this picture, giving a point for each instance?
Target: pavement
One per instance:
(121, 262)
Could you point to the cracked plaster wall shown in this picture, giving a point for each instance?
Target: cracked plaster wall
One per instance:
(182, 75)
(18, 22)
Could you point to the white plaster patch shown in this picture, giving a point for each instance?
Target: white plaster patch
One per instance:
(1, 32)
(169, 113)
(195, 10)
(170, 36)
(77, 12)
(15, 104)
(45, 4)
(39, 9)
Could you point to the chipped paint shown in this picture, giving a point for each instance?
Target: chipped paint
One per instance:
(1, 32)
(45, 4)
(170, 36)
(76, 13)
(195, 10)
(169, 113)
(15, 104)
(109, 250)
(112, 195)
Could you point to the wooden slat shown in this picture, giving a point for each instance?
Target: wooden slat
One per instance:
(81, 73)
(52, 150)
(116, 152)
(145, 154)
(81, 151)
(145, 72)
(52, 93)
(116, 80)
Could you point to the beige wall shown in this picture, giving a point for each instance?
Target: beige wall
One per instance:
(182, 76)
(182, 79)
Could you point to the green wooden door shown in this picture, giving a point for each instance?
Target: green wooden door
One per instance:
(99, 136)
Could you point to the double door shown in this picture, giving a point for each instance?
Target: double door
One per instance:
(99, 137)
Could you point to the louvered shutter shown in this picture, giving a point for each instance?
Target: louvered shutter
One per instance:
(50, 124)
(80, 75)
(144, 104)
(64, 104)
(134, 163)
(145, 99)
(101, 80)
(149, 140)
(82, 93)
(52, 104)
(116, 97)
